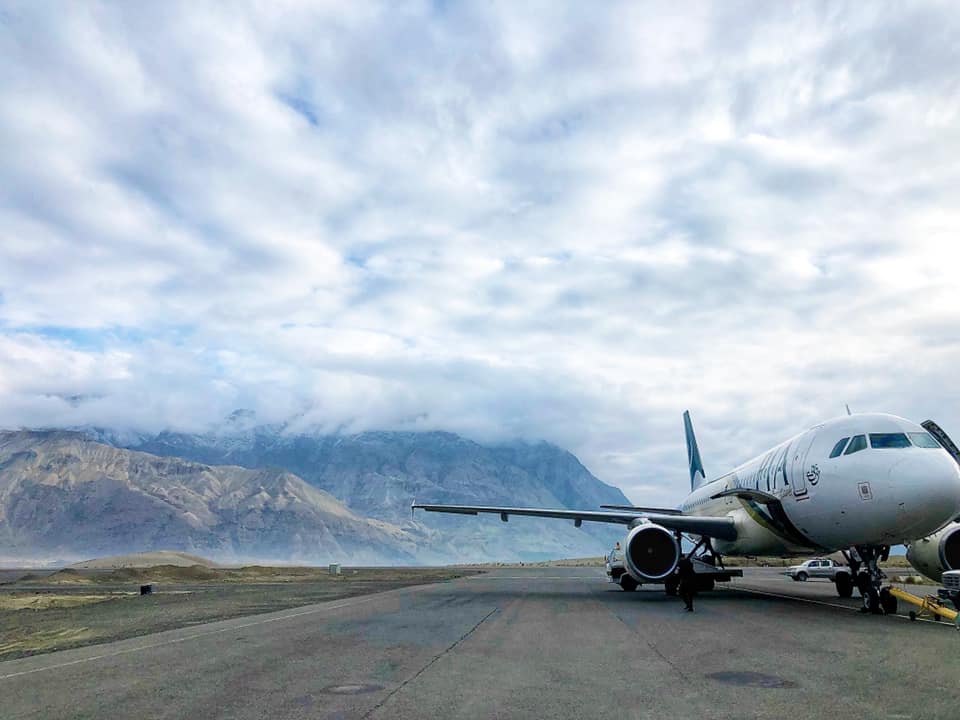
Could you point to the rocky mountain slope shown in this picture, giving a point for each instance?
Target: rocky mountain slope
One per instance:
(298, 496)
(143, 560)
(379, 474)
(64, 495)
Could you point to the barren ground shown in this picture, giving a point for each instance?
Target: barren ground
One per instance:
(42, 612)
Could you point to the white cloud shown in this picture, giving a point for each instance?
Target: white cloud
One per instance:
(500, 219)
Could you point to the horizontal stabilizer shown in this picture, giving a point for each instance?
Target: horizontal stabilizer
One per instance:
(634, 508)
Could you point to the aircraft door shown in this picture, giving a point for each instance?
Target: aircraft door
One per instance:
(798, 473)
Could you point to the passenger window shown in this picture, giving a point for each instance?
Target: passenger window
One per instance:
(858, 443)
(888, 440)
(838, 448)
(924, 440)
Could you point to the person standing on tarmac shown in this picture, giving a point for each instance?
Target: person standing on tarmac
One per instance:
(688, 580)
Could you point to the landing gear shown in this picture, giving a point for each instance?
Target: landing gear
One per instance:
(864, 564)
(627, 583)
(711, 556)
(844, 585)
(706, 578)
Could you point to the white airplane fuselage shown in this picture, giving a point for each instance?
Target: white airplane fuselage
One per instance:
(878, 495)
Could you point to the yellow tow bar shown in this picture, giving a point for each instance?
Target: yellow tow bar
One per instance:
(930, 604)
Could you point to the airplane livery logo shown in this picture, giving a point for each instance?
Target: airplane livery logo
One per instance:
(813, 474)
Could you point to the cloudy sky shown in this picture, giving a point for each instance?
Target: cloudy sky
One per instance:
(567, 221)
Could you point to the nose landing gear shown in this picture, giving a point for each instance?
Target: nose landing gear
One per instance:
(864, 563)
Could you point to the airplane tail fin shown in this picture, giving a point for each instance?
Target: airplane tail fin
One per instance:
(697, 475)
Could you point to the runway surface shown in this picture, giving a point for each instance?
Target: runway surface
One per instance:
(527, 643)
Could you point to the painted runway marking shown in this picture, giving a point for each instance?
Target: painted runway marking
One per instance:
(208, 633)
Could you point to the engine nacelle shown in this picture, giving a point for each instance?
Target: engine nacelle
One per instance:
(650, 552)
(935, 553)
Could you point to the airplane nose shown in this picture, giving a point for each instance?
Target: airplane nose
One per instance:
(928, 487)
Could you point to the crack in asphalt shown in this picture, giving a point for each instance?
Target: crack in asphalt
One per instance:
(430, 664)
(656, 650)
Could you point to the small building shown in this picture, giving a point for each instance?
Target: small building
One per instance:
(334, 568)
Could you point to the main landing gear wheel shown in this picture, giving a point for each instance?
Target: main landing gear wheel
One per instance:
(627, 583)
(844, 585)
(870, 594)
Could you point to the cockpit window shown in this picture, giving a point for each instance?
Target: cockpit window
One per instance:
(889, 440)
(858, 443)
(838, 448)
(923, 440)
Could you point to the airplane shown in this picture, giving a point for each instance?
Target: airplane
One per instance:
(934, 554)
(856, 484)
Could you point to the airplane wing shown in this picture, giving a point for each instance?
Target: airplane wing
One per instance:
(635, 508)
(721, 528)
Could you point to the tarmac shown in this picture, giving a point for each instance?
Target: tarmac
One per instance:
(516, 643)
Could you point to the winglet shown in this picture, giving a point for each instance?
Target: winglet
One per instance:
(697, 475)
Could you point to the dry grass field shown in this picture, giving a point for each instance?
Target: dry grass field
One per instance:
(74, 607)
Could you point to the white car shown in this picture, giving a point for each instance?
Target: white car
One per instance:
(827, 569)
(816, 568)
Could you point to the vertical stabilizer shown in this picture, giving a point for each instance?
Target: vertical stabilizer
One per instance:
(697, 475)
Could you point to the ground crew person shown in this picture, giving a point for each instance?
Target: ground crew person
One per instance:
(688, 579)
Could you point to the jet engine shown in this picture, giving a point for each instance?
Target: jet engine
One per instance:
(650, 552)
(938, 552)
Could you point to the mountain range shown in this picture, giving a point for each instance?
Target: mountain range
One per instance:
(64, 495)
(263, 492)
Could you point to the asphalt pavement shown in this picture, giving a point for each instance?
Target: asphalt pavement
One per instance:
(516, 643)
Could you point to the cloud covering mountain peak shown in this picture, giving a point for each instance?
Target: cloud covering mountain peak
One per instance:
(498, 219)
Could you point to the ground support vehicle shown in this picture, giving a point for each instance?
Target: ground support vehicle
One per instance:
(951, 587)
(614, 565)
(930, 605)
